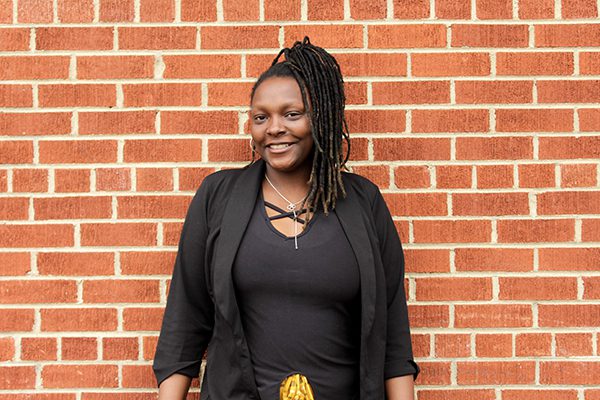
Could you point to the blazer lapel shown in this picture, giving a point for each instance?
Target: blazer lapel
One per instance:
(235, 220)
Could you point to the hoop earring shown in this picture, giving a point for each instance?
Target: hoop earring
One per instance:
(253, 148)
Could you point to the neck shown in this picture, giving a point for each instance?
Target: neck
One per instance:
(293, 185)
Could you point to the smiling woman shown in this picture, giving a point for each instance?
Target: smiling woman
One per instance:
(289, 270)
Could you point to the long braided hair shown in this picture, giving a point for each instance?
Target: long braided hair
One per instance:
(320, 79)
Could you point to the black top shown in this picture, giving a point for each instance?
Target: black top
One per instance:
(300, 308)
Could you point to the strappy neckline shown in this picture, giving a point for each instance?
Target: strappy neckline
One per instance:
(282, 214)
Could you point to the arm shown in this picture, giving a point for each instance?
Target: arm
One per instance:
(189, 315)
(400, 388)
(174, 387)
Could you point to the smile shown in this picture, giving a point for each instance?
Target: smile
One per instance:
(279, 146)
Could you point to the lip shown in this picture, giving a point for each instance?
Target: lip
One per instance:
(281, 150)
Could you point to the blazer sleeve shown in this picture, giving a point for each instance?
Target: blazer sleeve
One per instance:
(398, 355)
(189, 315)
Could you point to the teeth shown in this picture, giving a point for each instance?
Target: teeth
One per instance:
(279, 146)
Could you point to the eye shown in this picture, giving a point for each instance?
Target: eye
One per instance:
(259, 118)
(294, 114)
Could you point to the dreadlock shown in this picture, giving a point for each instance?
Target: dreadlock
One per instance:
(320, 79)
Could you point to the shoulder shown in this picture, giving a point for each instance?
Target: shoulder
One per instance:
(361, 186)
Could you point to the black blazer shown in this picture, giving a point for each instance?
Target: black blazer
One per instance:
(202, 312)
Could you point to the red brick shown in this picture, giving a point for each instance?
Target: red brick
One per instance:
(258, 63)
(439, 289)
(592, 394)
(496, 373)
(202, 66)
(15, 124)
(162, 150)
(589, 119)
(113, 179)
(130, 395)
(435, 373)
(326, 36)
(533, 344)
(119, 234)
(572, 9)
(115, 67)
(20, 377)
(116, 11)
(14, 208)
(378, 174)
(193, 10)
(16, 152)
(325, 10)
(120, 348)
(121, 291)
(276, 10)
(457, 394)
(412, 177)
(536, 175)
(526, 63)
(424, 204)
(15, 96)
(29, 236)
(453, 176)
(38, 349)
(567, 35)
(421, 345)
(239, 37)
(488, 35)
(568, 91)
(477, 92)
(504, 203)
(157, 38)
(154, 179)
(426, 121)
(34, 67)
(190, 178)
(171, 233)
(72, 207)
(157, 10)
(14, 39)
(30, 180)
(494, 9)
(80, 95)
(578, 175)
(590, 230)
(7, 349)
(79, 348)
(573, 202)
(569, 373)
(416, 9)
(493, 316)
(122, 122)
(79, 319)
(78, 151)
(368, 10)
(453, 9)
(538, 288)
(591, 287)
(495, 176)
(14, 264)
(359, 149)
(569, 147)
(162, 94)
(589, 63)
(138, 376)
(452, 345)
(34, 11)
(66, 264)
(407, 36)
(142, 319)
(573, 344)
(450, 64)
(445, 231)
(228, 150)
(494, 148)
(493, 345)
(149, 344)
(419, 92)
(376, 121)
(542, 394)
(390, 149)
(569, 315)
(75, 11)
(71, 180)
(199, 122)
(3, 180)
(367, 64)
(569, 259)
(14, 320)
(60, 38)
(152, 206)
(240, 11)
(538, 230)
(427, 260)
(536, 9)
(38, 291)
(6, 12)
(422, 316)
(229, 93)
(80, 376)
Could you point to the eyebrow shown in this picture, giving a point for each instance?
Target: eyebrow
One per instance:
(285, 105)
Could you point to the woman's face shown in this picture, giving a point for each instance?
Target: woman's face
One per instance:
(280, 125)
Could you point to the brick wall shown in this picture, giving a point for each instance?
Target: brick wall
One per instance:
(478, 119)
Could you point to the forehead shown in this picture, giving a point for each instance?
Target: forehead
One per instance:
(277, 90)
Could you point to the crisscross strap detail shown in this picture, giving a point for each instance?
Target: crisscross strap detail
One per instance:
(284, 214)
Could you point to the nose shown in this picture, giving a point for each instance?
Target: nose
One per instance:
(275, 126)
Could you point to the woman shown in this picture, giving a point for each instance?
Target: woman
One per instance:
(289, 266)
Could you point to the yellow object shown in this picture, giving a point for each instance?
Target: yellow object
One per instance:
(295, 387)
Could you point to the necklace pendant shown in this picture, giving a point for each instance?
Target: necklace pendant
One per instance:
(291, 207)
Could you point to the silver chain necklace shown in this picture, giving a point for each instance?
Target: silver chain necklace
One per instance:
(291, 207)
